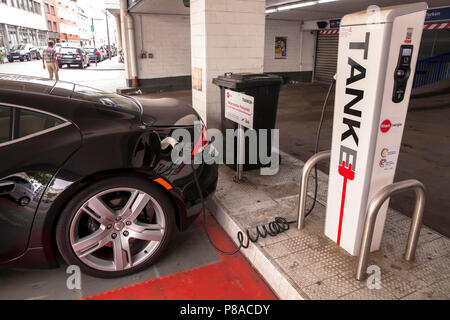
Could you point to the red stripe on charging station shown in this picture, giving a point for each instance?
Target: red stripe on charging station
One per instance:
(232, 278)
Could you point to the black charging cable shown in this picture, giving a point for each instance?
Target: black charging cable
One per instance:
(316, 148)
(279, 224)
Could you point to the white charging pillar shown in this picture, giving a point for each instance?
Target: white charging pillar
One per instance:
(375, 70)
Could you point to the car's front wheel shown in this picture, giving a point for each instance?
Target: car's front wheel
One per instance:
(115, 227)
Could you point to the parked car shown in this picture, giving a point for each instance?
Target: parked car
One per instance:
(72, 56)
(17, 188)
(103, 53)
(113, 51)
(101, 163)
(94, 54)
(35, 53)
(23, 52)
(41, 50)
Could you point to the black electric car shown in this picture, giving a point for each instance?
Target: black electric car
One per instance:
(102, 189)
(72, 56)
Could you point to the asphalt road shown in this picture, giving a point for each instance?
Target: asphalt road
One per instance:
(108, 75)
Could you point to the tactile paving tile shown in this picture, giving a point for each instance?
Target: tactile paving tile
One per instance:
(369, 294)
(432, 250)
(320, 291)
(401, 287)
(295, 244)
(276, 250)
(303, 277)
(433, 271)
(437, 291)
(342, 286)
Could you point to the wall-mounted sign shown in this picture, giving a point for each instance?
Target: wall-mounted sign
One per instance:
(335, 23)
(280, 47)
(239, 108)
(438, 14)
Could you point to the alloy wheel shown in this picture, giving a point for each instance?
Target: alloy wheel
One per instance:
(117, 229)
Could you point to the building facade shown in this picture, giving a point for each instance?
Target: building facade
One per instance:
(68, 22)
(51, 17)
(30, 28)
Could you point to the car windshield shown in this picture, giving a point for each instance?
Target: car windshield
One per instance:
(106, 98)
(69, 50)
(89, 49)
(18, 47)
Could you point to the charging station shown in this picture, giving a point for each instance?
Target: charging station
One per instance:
(377, 57)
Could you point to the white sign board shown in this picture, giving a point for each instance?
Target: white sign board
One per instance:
(239, 108)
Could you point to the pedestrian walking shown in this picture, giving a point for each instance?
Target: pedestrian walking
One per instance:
(49, 59)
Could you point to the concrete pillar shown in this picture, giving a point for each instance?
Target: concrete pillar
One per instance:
(119, 36)
(123, 28)
(6, 37)
(226, 36)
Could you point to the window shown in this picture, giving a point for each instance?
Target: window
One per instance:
(55, 29)
(46, 8)
(5, 124)
(37, 7)
(31, 122)
(52, 10)
(49, 25)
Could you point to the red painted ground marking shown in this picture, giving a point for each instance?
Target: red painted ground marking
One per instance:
(232, 278)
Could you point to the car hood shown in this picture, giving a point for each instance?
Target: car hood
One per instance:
(167, 112)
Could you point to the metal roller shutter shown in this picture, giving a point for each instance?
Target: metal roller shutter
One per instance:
(326, 55)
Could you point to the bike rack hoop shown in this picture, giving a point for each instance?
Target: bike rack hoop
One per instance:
(372, 212)
(304, 184)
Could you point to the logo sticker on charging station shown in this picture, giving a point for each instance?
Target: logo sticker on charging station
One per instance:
(386, 125)
(387, 158)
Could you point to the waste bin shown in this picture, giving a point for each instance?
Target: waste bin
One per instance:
(264, 88)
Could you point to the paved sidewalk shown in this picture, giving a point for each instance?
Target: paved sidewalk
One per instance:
(306, 264)
(107, 64)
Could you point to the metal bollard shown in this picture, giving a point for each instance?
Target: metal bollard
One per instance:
(372, 212)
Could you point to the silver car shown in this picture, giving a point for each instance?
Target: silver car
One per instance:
(17, 188)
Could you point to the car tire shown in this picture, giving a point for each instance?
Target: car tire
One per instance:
(59, 66)
(21, 59)
(24, 201)
(67, 223)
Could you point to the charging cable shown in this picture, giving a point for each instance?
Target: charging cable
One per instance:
(279, 224)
